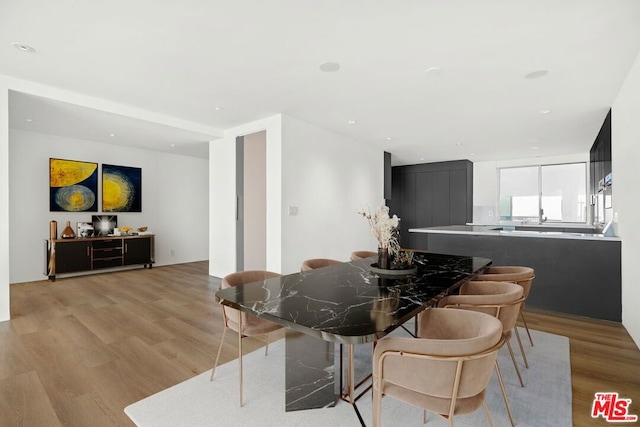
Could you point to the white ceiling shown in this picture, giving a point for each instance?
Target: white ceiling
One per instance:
(257, 58)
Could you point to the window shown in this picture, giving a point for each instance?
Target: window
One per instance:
(554, 193)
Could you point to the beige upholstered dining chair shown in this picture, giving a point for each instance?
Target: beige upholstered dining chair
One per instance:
(523, 276)
(245, 324)
(315, 263)
(356, 255)
(445, 370)
(500, 299)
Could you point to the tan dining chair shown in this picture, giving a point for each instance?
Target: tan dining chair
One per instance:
(500, 299)
(315, 263)
(521, 275)
(244, 324)
(445, 370)
(356, 255)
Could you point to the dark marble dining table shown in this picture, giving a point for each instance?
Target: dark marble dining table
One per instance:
(346, 303)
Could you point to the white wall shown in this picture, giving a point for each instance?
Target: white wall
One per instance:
(485, 182)
(4, 201)
(626, 197)
(222, 196)
(329, 178)
(174, 199)
(326, 176)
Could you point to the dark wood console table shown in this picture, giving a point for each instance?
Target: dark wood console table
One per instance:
(94, 253)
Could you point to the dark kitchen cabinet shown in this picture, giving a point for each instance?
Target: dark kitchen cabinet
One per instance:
(430, 195)
(600, 157)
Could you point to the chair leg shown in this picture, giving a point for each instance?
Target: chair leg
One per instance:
(486, 411)
(524, 356)
(266, 349)
(515, 364)
(504, 394)
(526, 327)
(240, 354)
(213, 371)
(351, 378)
(377, 401)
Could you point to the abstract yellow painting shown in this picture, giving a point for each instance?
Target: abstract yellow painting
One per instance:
(121, 189)
(73, 186)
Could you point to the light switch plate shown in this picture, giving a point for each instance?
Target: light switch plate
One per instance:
(293, 210)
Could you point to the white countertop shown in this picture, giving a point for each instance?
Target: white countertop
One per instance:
(498, 230)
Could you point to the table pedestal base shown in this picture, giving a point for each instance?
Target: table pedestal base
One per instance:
(310, 372)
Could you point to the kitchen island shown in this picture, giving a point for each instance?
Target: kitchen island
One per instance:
(577, 271)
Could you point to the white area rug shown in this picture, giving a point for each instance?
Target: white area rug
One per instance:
(544, 401)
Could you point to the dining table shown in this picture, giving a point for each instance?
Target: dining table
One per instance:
(344, 305)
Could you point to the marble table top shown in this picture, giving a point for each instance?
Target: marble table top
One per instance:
(349, 303)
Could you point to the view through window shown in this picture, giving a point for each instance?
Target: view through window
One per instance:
(554, 193)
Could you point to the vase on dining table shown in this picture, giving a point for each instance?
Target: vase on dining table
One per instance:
(383, 258)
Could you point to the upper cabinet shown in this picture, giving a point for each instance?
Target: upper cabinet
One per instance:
(601, 175)
(600, 158)
(430, 195)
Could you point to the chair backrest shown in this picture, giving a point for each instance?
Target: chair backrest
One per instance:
(315, 263)
(499, 299)
(453, 346)
(523, 276)
(356, 255)
(241, 278)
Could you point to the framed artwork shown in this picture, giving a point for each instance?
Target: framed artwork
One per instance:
(85, 229)
(73, 186)
(121, 189)
(103, 225)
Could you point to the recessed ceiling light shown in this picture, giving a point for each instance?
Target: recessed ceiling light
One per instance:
(218, 108)
(459, 144)
(173, 145)
(535, 147)
(433, 71)
(352, 122)
(472, 154)
(421, 158)
(112, 135)
(544, 111)
(23, 47)
(536, 74)
(329, 67)
(28, 120)
(389, 138)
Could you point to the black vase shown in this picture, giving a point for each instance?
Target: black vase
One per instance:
(383, 258)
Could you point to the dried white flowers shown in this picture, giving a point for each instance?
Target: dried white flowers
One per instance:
(384, 228)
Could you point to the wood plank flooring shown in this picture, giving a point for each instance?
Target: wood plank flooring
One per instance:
(78, 350)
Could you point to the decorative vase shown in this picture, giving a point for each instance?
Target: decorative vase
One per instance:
(68, 232)
(383, 258)
(53, 230)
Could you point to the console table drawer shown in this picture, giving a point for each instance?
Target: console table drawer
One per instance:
(107, 252)
(107, 262)
(105, 244)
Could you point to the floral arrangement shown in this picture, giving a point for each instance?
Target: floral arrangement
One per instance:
(384, 228)
(403, 258)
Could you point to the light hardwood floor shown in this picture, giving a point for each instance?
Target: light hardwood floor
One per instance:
(77, 351)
